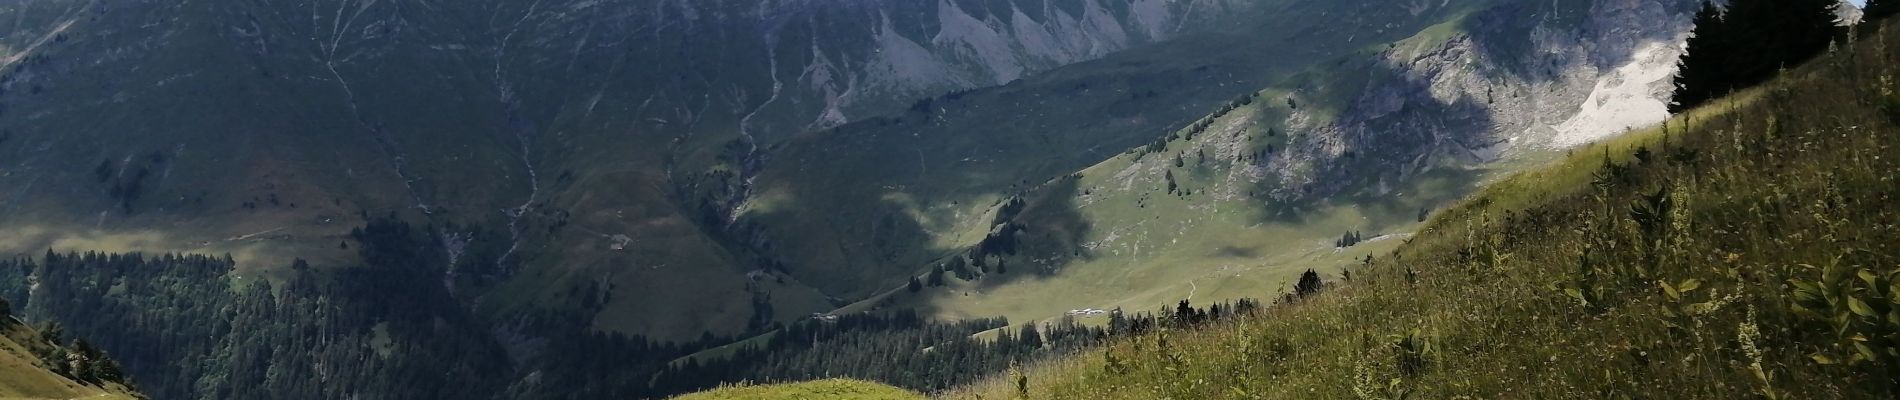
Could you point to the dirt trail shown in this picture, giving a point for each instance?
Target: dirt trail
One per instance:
(252, 235)
(10, 59)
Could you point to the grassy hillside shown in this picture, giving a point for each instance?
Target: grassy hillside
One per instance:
(23, 375)
(868, 204)
(1234, 200)
(1741, 250)
(1243, 189)
(889, 198)
(838, 389)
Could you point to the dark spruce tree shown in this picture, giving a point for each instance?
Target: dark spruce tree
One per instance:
(1877, 10)
(1309, 284)
(1030, 339)
(1698, 74)
(1784, 34)
(936, 277)
(1749, 43)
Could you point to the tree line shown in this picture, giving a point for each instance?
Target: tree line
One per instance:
(907, 350)
(1748, 42)
(74, 359)
(189, 326)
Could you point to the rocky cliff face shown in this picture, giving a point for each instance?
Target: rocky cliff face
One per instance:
(830, 62)
(1584, 81)
(1237, 203)
(1497, 85)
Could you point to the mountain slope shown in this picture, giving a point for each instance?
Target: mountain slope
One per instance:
(649, 152)
(899, 192)
(1363, 131)
(556, 144)
(26, 375)
(1741, 250)
(579, 171)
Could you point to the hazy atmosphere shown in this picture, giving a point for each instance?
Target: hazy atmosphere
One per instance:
(948, 199)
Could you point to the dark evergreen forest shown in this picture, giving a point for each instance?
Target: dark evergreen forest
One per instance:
(389, 329)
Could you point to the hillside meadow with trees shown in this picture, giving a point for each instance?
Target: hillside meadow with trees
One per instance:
(1743, 249)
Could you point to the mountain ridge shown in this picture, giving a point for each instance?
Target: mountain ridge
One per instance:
(493, 120)
(1364, 145)
(495, 199)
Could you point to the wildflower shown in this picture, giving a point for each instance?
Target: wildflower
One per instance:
(1748, 333)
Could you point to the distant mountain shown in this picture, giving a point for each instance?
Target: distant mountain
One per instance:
(1850, 14)
(553, 143)
(659, 177)
(1219, 166)
(1671, 262)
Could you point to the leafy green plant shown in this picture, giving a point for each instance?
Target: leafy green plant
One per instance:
(1368, 385)
(1111, 364)
(1679, 310)
(1651, 213)
(1584, 285)
(1860, 304)
(1413, 353)
(1889, 98)
(1689, 320)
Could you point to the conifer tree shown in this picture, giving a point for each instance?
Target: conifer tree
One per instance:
(1699, 71)
(53, 332)
(108, 370)
(1776, 34)
(1749, 44)
(1030, 338)
(1877, 10)
(1309, 284)
(1183, 314)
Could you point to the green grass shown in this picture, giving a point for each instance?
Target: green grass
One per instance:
(874, 203)
(1112, 236)
(1546, 285)
(25, 376)
(831, 389)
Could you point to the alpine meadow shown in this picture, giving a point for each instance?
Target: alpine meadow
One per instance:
(949, 199)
